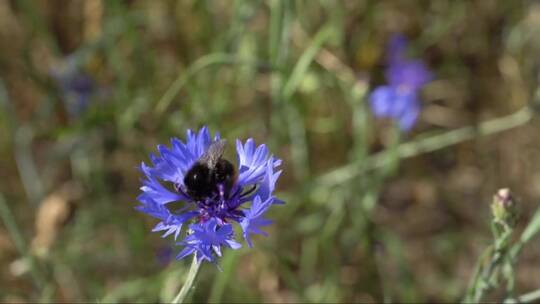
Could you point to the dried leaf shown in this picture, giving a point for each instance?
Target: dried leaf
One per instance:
(54, 212)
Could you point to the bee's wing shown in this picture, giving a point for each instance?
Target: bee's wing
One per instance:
(213, 153)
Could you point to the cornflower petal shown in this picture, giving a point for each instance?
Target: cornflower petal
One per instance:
(253, 219)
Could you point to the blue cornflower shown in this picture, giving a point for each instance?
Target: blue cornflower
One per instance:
(76, 86)
(399, 98)
(209, 219)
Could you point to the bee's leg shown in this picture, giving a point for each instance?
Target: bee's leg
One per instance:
(250, 191)
(235, 193)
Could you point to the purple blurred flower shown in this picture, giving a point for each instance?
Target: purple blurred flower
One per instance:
(410, 74)
(399, 98)
(209, 219)
(402, 106)
(76, 86)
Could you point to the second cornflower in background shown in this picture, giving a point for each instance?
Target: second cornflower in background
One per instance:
(399, 99)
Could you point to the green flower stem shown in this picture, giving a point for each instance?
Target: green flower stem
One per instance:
(304, 62)
(502, 256)
(297, 130)
(424, 145)
(22, 136)
(477, 275)
(192, 274)
(530, 231)
(486, 276)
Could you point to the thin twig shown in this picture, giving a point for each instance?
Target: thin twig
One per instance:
(424, 145)
(525, 298)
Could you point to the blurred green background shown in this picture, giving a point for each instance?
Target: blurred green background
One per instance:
(89, 88)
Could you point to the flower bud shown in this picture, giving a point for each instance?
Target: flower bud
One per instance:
(503, 208)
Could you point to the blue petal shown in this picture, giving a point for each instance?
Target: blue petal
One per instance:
(153, 209)
(268, 183)
(412, 73)
(156, 191)
(381, 100)
(174, 223)
(409, 117)
(197, 143)
(188, 250)
(253, 219)
(233, 244)
(208, 237)
(252, 162)
(406, 109)
(170, 223)
(398, 103)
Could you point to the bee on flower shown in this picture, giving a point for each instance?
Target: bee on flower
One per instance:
(215, 193)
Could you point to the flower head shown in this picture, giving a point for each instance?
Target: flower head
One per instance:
(209, 217)
(76, 86)
(504, 208)
(399, 98)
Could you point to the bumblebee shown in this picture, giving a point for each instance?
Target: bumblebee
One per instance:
(211, 175)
